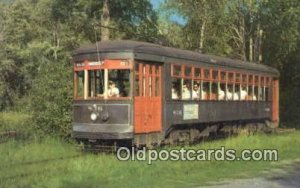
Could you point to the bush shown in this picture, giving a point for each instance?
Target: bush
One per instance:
(51, 99)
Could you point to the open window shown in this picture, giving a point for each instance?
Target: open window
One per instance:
(176, 90)
(95, 83)
(102, 79)
(118, 83)
(256, 88)
(268, 89)
(214, 91)
(79, 84)
(186, 92)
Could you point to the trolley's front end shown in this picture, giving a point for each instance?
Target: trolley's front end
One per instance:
(103, 100)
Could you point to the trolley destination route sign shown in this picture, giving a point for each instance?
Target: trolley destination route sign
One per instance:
(190, 111)
(103, 64)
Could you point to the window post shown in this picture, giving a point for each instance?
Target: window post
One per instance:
(86, 83)
(105, 83)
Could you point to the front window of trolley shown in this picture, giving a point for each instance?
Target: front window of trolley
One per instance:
(108, 79)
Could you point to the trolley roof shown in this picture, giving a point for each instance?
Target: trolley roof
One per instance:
(90, 52)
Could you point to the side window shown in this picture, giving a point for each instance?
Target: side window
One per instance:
(197, 84)
(267, 89)
(205, 90)
(187, 83)
(244, 87)
(206, 74)
(186, 89)
(222, 86)
(214, 91)
(237, 87)
(196, 92)
(229, 92)
(256, 88)
(197, 73)
(182, 82)
(251, 88)
(95, 83)
(119, 83)
(230, 86)
(176, 89)
(261, 86)
(176, 70)
(223, 76)
(206, 85)
(215, 85)
(79, 84)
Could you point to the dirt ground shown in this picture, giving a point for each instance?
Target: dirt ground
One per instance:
(288, 176)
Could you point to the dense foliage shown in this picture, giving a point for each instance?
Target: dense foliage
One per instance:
(38, 36)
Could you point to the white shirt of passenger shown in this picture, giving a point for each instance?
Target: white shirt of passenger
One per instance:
(113, 92)
(228, 95)
(243, 94)
(195, 94)
(186, 93)
(221, 94)
(174, 94)
(235, 96)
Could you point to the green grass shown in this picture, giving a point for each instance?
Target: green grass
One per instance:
(51, 162)
(14, 121)
(54, 163)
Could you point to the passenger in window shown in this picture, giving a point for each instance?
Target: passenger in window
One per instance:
(252, 96)
(260, 93)
(204, 91)
(244, 93)
(195, 92)
(175, 92)
(235, 96)
(122, 91)
(186, 91)
(228, 94)
(221, 94)
(113, 91)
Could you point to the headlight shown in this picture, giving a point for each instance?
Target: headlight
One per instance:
(93, 116)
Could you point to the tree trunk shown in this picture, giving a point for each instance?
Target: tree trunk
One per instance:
(250, 34)
(242, 33)
(202, 36)
(56, 40)
(260, 33)
(259, 45)
(251, 49)
(105, 18)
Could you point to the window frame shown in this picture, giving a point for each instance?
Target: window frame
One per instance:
(107, 64)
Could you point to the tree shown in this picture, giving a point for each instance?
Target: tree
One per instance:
(105, 17)
(38, 37)
(281, 49)
(119, 19)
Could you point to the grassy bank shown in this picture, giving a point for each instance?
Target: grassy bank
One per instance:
(14, 121)
(51, 162)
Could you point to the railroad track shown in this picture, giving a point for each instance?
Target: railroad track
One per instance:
(40, 161)
(111, 149)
